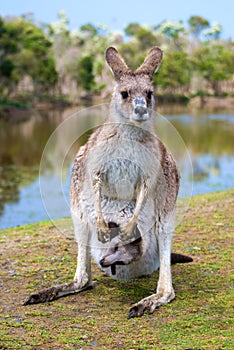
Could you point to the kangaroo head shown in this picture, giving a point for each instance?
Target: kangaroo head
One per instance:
(133, 98)
(121, 254)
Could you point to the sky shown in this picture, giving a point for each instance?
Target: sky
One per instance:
(118, 13)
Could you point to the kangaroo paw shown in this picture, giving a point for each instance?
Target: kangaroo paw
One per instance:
(103, 234)
(129, 233)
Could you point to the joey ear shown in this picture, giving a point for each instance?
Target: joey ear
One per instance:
(116, 63)
(151, 62)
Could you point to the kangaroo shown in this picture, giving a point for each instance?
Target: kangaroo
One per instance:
(123, 193)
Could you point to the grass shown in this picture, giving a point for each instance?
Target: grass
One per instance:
(37, 256)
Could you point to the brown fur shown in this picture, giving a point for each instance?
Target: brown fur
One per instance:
(124, 179)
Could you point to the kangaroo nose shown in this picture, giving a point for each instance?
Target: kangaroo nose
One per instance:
(101, 262)
(140, 110)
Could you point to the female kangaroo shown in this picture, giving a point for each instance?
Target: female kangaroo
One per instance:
(123, 194)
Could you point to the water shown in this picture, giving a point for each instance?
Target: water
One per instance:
(209, 139)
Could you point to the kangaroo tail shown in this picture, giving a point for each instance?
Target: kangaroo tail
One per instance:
(180, 259)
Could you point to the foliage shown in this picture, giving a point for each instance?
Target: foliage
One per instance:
(171, 29)
(25, 50)
(213, 32)
(142, 34)
(89, 28)
(132, 29)
(59, 27)
(197, 24)
(8, 48)
(174, 71)
(67, 62)
(215, 63)
(86, 77)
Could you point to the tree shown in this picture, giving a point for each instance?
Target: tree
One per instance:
(197, 24)
(215, 63)
(213, 32)
(44, 74)
(9, 38)
(89, 29)
(145, 38)
(85, 76)
(35, 57)
(54, 56)
(174, 31)
(143, 35)
(174, 71)
(25, 50)
(132, 29)
(60, 27)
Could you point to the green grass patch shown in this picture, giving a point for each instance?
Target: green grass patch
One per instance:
(37, 256)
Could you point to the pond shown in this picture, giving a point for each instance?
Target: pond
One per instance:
(27, 195)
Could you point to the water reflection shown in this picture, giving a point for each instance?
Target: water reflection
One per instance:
(209, 138)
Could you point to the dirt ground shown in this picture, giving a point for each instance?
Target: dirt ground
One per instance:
(38, 256)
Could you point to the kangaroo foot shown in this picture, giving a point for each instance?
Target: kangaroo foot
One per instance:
(56, 292)
(150, 304)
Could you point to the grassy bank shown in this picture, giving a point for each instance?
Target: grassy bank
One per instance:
(36, 256)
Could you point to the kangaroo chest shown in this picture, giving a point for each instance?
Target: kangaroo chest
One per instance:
(121, 177)
(123, 163)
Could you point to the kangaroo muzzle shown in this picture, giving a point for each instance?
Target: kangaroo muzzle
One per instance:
(140, 109)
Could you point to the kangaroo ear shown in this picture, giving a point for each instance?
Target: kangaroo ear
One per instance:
(116, 63)
(151, 62)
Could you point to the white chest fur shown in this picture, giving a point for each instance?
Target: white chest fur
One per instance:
(124, 160)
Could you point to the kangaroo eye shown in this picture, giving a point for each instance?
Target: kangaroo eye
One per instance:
(149, 94)
(124, 94)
